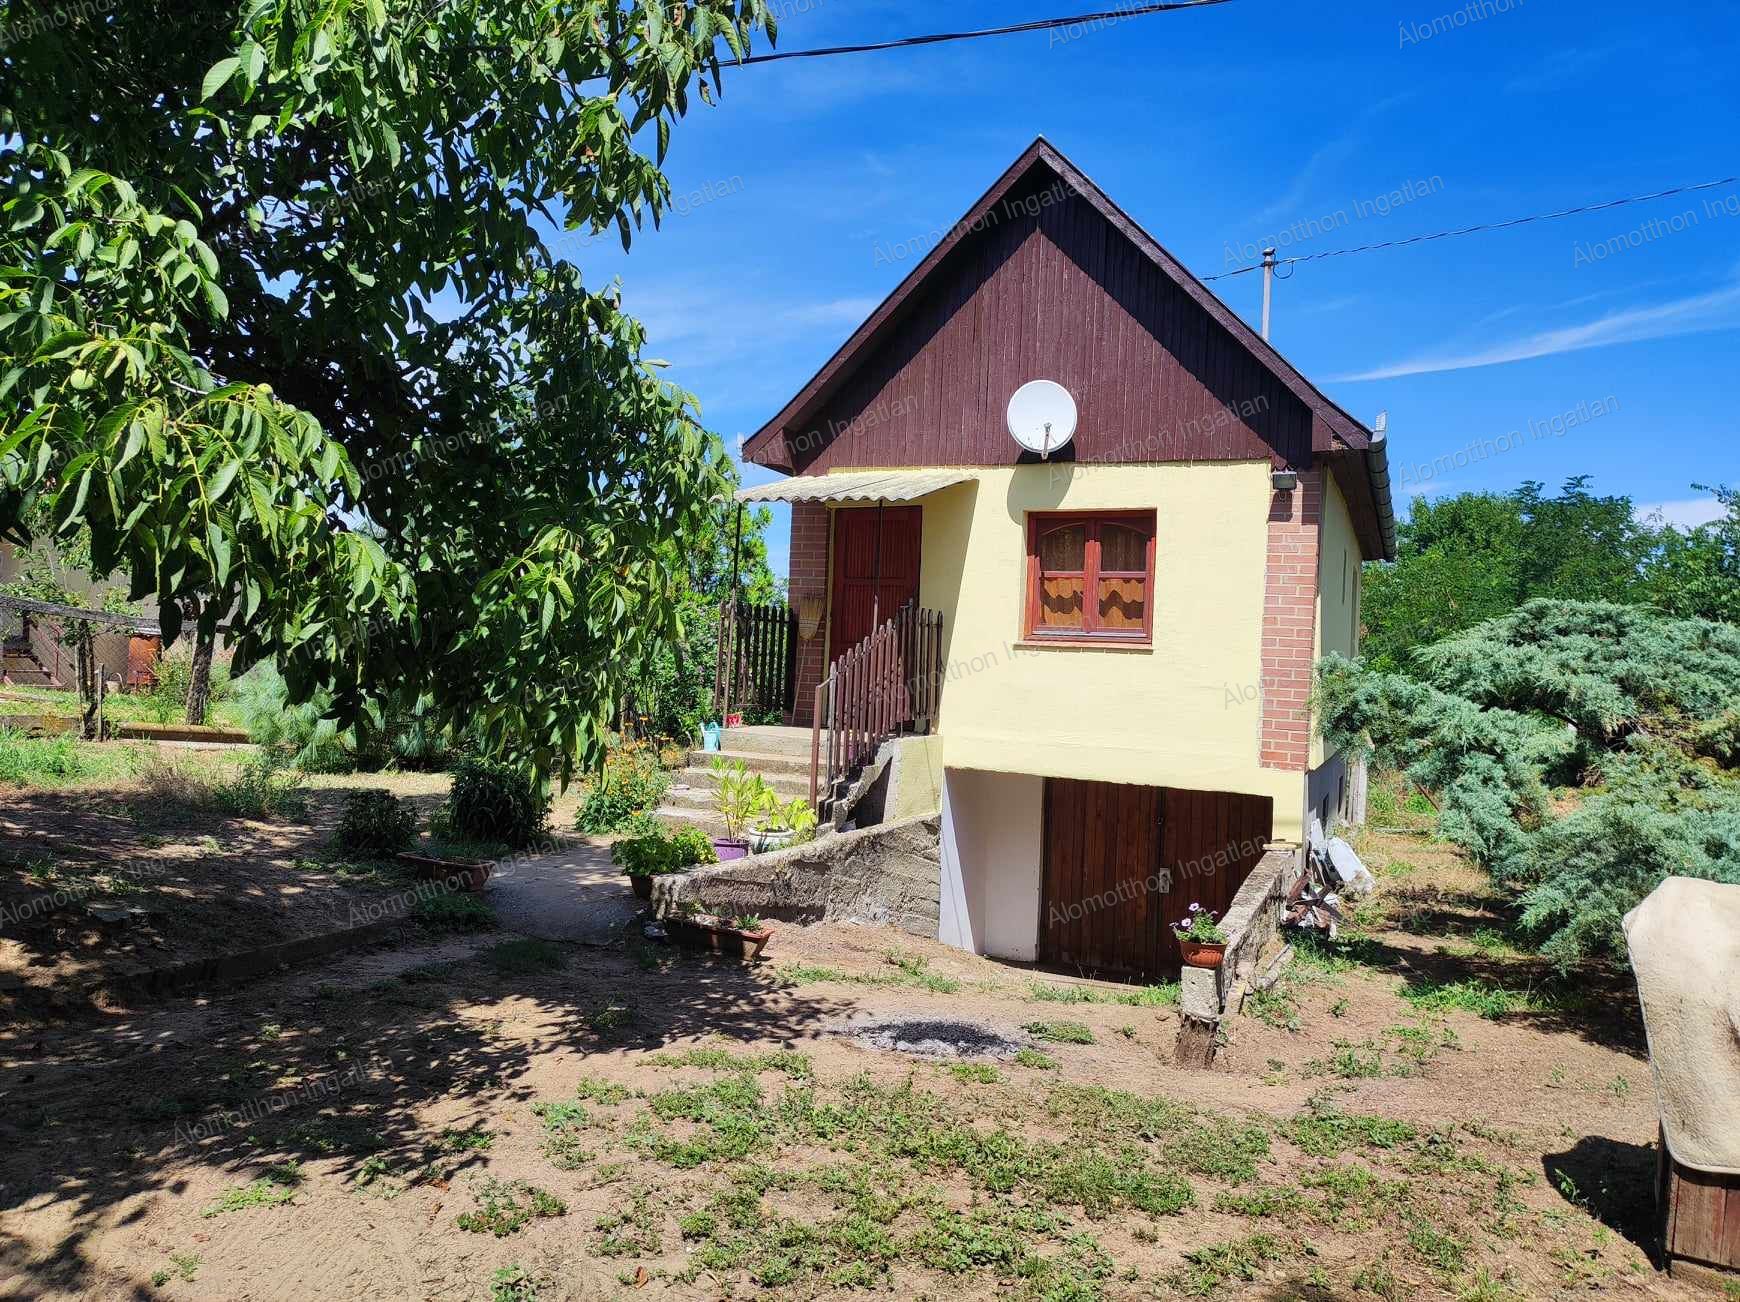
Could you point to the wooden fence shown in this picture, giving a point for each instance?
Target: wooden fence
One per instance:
(759, 643)
(890, 683)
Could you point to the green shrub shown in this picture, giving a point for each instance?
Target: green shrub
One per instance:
(311, 741)
(376, 822)
(1619, 700)
(1586, 871)
(495, 801)
(664, 851)
(632, 783)
(262, 788)
(1719, 739)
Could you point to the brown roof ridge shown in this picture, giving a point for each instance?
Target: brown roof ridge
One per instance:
(1350, 432)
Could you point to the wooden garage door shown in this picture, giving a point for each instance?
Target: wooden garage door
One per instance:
(1121, 862)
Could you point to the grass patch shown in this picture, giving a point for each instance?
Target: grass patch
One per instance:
(601, 1091)
(1473, 995)
(1323, 1130)
(976, 1073)
(791, 1063)
(1191, 1140)
(1060, 1032)
(1164, 995)
(505, 1207)
(1270, 1200)
(1349, 1062)
(453, 911)
(1215, 1264)
(527, 955)
(631, 1229)
(55, 761)
(1036, 1060)
(1444, 1251)
(276, 1187)
(473, 1139)
(909, 970)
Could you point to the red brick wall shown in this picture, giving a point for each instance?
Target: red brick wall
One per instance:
(1289, 623)
(809, 574)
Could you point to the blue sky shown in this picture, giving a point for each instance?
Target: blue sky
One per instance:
(1247, 123)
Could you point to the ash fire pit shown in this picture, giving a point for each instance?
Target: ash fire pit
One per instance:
(940, 1038)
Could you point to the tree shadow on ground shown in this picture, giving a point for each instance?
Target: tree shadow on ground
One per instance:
(1614, 1182)
(1597, 1004)
(114, 1113)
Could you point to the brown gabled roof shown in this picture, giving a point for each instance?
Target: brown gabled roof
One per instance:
(1333, 429)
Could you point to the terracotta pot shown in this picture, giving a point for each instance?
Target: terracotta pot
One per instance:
(642, 886)
(464, 875)
(728, 849)
(1198, 953)
(709, 933)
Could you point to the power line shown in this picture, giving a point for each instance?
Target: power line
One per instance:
(1482, 227)
(937, 38)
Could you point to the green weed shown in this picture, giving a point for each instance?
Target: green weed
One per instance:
(276, 1187)
(977, 1073)
(1060, 1032)
(505, 1206)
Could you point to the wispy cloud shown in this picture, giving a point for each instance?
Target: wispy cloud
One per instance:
(1694, 314)
(1687, 512)
(1324, 159)
(1560, 69)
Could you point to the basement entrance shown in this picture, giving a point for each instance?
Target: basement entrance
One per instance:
(1122, 862)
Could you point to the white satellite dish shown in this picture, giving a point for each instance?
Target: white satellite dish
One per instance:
(1042, 416)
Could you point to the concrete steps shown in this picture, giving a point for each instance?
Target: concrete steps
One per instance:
(780, 755)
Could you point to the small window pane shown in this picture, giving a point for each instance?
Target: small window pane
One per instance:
(1060, 603)
(1123, 604)
(1064, 550)
(1123, 548)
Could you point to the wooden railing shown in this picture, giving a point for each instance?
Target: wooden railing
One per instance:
(889, 684)
(759, 644)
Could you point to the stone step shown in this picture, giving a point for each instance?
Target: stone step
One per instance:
(768, 739)
(786, 783)
(705, 819)
(759, 762)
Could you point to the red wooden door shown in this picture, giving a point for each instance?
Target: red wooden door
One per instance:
(875, 570)
(1121, 863)
(1102, 851)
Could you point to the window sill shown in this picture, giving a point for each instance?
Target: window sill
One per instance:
(1081, 644)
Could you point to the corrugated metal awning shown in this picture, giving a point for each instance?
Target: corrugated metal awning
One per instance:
(857, 486)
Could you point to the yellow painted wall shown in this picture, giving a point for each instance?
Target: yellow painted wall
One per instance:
(1183, 713)
(1338, 561)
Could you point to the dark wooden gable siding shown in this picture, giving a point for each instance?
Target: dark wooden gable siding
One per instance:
(1054, 294)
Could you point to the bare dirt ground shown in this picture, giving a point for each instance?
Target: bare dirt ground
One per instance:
(103, 879)
(504, 1118)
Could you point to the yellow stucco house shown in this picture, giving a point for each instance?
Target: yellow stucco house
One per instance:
(1107, 618)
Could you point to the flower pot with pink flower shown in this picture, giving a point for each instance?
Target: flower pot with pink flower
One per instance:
(1201, 942)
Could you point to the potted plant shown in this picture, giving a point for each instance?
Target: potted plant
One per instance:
(780, 823)
(744, 936)
(737, 795)
(1200, 939)
(663, 852)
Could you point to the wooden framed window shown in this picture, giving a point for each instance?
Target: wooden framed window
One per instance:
(1090, 576)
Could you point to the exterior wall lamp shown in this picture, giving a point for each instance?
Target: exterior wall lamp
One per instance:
(1283, 481)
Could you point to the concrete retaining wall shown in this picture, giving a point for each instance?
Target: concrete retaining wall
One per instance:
(1206, 995)
(888, 874)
